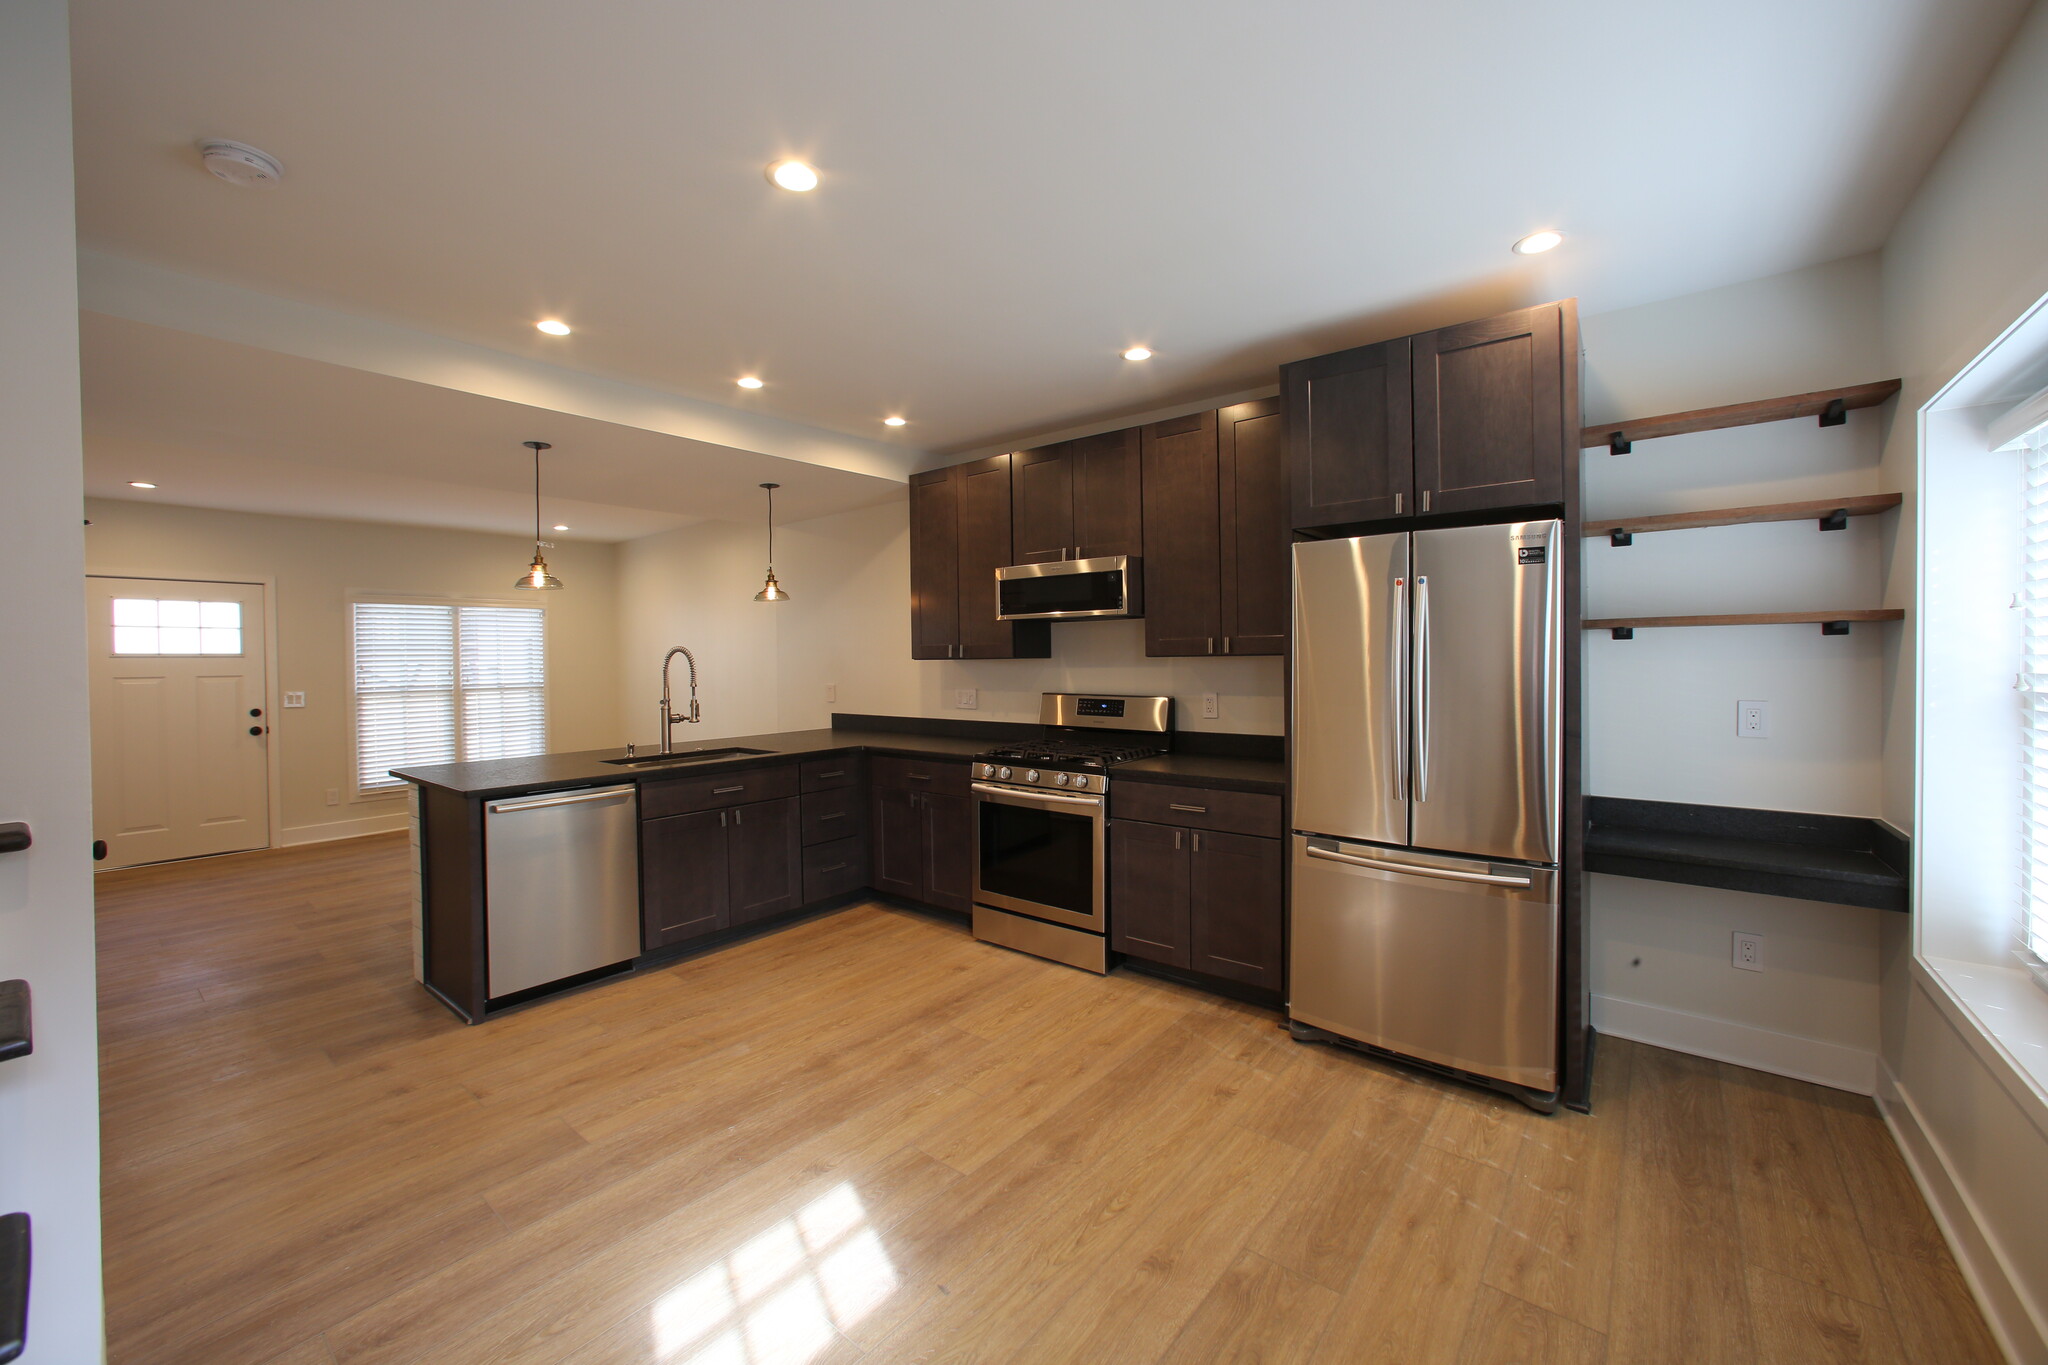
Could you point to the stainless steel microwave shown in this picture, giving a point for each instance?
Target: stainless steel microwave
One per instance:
(1110, 586)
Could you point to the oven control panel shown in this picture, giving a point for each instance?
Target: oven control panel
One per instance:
(1023, 776)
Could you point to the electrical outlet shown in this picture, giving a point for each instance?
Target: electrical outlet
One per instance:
(1753, 720)
(831, 693)
(965, 698)
(1212, 708)
(294, 699)
(1749, 952)
(334, 796)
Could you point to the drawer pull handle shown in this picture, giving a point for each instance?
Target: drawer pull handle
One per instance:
(727, 791)
(840, 773)
(919, 777)
(1192, 810)
(835, 815)
(836, 867)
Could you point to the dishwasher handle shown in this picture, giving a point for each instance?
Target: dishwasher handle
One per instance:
(562, 799)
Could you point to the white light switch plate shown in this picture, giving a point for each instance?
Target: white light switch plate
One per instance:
(831, 693)
(965, 698)
(294, 699)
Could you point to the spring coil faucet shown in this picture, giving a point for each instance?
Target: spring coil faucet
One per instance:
(668, 713)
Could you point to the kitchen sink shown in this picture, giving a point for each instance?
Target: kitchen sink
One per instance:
(683, 756)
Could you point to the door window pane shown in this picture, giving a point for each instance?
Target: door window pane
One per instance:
(173, 626)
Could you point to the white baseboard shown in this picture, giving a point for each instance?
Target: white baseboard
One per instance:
(1983, 1268)
(1804, 1059)
(342, 829)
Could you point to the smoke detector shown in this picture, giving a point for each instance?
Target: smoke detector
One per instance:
(240, 164)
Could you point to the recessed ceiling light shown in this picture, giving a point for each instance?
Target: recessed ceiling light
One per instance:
(892, 421)
(793, 175)
(561, 528)
(1537, 243)
(137, 483)
(747, 381)
(554, 327)
(1138, 353)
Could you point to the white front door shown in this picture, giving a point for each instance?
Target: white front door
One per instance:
(180, 720)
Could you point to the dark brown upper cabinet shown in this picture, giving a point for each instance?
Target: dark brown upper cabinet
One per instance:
(1216, 521)
(1490, 412)
(1077, 500)
(960, 520)
(1350, 436)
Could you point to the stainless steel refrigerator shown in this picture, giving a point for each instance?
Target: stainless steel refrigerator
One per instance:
(1427, 738)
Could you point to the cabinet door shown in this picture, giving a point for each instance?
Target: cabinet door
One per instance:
(1148, 891)
(765, 860)
(1183, 572)
(1489, 413)
(948, 851)
(1108, 506)
(1350, 446)
(935, 564)
(898, 841)
(1042, 516)
(985, 529)
(683, 884)
(1236, 908)
(1252, 486)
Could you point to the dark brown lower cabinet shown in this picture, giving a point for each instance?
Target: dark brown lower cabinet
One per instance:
(923, 840)
(1196, 899)
(948, 852)
(717, 869)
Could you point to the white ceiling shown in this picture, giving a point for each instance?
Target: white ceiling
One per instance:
(1011, 194)
(214, 424)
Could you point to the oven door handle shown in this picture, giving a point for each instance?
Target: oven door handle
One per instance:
(1020, 797)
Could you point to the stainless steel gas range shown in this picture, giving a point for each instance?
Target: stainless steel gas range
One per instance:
(1041, 812)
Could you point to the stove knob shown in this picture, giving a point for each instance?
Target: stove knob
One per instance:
(1061, 778)
(1004, 774)
(1031, 776)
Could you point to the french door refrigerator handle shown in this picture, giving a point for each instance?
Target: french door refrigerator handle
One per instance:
(1397, 669)
(1422, 686)
(1411, 870)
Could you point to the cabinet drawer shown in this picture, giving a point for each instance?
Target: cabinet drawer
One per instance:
(1197, 808)
(834, 869)
(922, 775)
(830, 774)
(833, 815)
(681, 796)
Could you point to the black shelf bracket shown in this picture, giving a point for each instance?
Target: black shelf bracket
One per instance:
(1834, 414)
(14, 837)
(1619, 444)
(1834, 627)
(1620, 538)
(1837, 520)
(1624, 632)
(17, 1032)
(13, 1285)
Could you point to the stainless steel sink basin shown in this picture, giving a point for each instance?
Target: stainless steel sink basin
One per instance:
(683, 756)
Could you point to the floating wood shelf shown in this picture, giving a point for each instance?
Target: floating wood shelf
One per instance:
(17, 1032)
(14, 837)
(1831, 406)
(1830, 622)
(1831, 513)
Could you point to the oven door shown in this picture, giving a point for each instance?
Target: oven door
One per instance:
(1039, 854)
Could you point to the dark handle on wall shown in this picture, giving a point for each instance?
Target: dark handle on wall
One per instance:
(17, 1034)
(13, 1285)
(14, 837)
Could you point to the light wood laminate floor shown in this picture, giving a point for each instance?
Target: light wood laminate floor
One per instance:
(870, 1138)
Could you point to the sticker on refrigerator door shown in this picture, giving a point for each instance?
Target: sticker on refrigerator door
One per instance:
(1529, 554)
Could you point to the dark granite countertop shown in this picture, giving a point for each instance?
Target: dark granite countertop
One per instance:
(1845, 859)
(553, 772)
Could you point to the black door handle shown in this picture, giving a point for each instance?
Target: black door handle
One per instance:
(255, 711)
(255, 729)
(99, 850)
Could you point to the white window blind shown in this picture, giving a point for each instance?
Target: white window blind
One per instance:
(2033, 691)
(434, 683)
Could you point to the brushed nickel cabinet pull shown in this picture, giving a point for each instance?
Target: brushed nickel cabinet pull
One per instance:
(1176, 839)
(919, 777)
(840, 773)
(736, 815)
(836, 867)
(727, 791)
(1198, 843)
(1192, 810)
(835, 815)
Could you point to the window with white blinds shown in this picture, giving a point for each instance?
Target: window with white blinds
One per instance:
(436, 683)
(2033, 690)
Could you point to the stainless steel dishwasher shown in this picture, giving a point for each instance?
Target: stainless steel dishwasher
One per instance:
(561, 885)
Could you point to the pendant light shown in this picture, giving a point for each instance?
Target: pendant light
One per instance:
(537, 576)
(772, 592)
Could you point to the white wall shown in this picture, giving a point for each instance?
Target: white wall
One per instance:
(314, 567)
(766, 668)
(49, 1101)
(1661, 707)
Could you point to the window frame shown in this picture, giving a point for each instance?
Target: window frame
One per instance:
(358, 792)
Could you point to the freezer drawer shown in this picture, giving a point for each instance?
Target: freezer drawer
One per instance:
(561, 885)
(1449, 960)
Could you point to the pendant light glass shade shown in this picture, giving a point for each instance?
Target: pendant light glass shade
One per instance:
(537, 578)
(772, 591)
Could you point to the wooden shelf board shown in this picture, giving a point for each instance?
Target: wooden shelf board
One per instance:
(1738, 414)
(1756, 618)
(1858, 505)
